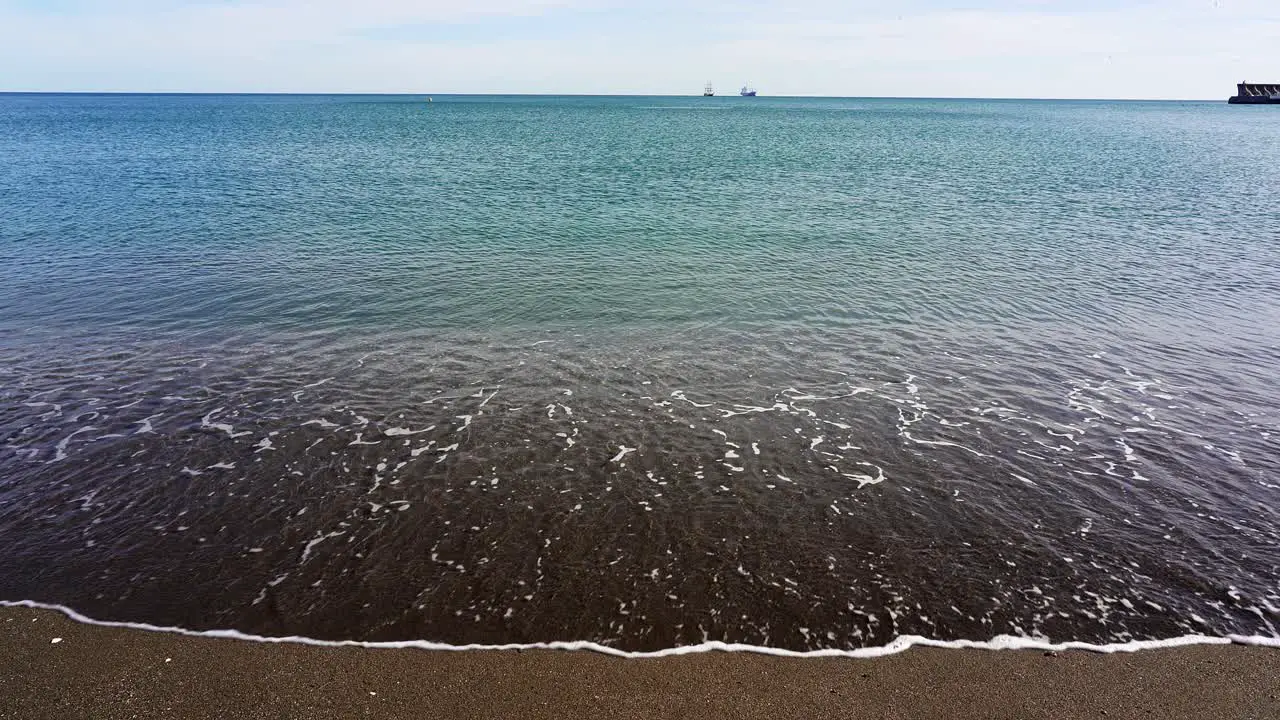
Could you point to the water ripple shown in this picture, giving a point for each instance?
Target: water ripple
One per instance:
(799, 374)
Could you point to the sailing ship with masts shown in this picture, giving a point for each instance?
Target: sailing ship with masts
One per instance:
(746, 91)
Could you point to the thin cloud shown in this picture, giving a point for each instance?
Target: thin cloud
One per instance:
(999, 49)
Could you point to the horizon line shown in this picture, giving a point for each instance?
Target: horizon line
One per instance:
(273, 93)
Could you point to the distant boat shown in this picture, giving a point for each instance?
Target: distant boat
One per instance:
(708, 92)
(747, 91)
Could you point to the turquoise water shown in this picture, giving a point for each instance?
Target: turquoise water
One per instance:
(644, 370)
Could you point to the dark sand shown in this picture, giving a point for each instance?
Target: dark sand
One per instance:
(107, 673)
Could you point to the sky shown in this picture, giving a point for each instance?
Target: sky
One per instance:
(1175, 49)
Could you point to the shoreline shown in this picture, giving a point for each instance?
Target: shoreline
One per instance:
(108, 672)
(900, 644)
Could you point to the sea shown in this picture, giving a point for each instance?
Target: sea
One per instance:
(646, 373)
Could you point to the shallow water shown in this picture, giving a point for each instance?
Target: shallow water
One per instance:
(641, 371)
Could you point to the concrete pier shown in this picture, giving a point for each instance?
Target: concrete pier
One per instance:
(1256, 94)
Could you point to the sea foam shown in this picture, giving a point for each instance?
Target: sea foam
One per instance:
(899, 644)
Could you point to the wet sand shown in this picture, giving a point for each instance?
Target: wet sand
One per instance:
(108, 673)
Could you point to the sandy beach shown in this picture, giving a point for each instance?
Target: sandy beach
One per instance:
(108, 673)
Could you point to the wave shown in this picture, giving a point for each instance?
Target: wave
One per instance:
(899, 644)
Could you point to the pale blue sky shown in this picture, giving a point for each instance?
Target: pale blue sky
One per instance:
(934, 48)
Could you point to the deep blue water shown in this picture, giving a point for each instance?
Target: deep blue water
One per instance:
(641, 370)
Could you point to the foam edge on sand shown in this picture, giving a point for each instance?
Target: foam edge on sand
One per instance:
(899, 644)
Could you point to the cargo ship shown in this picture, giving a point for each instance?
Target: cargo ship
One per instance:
(1256, 94)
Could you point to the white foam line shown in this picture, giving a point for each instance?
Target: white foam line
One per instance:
(415, 452)
(62, 444)
(306, 550)
(806, 411)
(943, 443)
(747, 409)
(865, 480)
(205, 422)
(55, 406)
(399, 431)
(903, 642)
(318, 384)
(795, 394)
(912, 388)
(679, 395)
